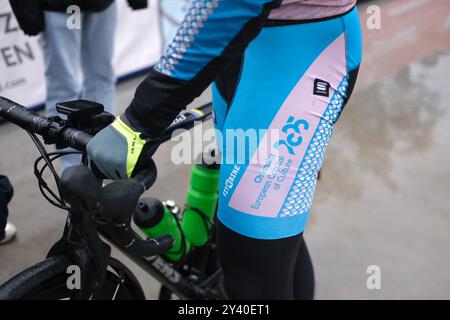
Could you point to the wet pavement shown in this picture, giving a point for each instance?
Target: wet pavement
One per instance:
(383, 196)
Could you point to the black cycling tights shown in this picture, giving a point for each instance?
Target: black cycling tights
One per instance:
(265, 269)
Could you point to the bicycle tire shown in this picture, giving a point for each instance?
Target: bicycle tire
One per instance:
(46, 280)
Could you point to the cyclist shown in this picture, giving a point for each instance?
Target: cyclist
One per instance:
(278, 65)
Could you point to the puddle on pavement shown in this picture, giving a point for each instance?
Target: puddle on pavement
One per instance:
(387, 123)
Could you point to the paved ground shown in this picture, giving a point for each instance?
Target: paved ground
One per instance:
(383, 198)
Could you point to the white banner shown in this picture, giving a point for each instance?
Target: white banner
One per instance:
(138, 46)
(138, 38)
(21, 67)
(172, 13)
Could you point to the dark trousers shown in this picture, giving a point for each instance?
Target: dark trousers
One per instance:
(6, 193)
(258, 269)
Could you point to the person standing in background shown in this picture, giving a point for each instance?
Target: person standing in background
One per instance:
(7, 230)
(78, 58)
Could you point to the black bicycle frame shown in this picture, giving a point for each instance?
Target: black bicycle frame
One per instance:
(166, 274)
(90, 258)
(84, 245)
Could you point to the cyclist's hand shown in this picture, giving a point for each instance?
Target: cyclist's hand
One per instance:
(119, 151)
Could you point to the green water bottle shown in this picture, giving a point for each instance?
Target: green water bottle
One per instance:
(201, 202)
(155, 219)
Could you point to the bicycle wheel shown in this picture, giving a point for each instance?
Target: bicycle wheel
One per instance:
(47, 281)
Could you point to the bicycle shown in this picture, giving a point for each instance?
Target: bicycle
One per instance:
(99, 216)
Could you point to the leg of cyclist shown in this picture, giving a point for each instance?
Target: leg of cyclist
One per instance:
(260, 269)
(304, 283)
(293, 80)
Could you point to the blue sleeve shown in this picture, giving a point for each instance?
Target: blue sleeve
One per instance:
(208, 28)
(213, 34)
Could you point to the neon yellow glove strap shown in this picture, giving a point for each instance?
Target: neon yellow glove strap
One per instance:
(134, 141)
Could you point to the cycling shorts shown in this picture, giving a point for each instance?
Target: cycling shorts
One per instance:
(293, 79)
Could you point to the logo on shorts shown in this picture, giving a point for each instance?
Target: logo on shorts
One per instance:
(321, 88)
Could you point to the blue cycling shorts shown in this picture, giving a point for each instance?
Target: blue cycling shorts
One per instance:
(288, 89)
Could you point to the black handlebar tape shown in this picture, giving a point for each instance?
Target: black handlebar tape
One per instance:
(152, 247)
(160, 244)
(32, 121)
(130, 242)
(75, 139)
(23, 117)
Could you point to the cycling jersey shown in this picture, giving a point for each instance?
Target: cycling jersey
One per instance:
(212, 36)
(288, 76)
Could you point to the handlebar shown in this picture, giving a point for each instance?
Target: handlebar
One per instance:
(119, 198)
(52, 130)
(55, 132)
(58, 132)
